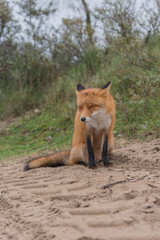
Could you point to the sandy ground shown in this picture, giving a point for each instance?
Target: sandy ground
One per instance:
(121, 201)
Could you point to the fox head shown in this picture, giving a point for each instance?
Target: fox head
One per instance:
(92, 103)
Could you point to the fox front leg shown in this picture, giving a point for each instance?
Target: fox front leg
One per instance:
(91, 156)
(105, 157)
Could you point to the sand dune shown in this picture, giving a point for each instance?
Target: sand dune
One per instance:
(121, 201)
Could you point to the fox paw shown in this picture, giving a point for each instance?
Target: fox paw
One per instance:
(93, 167)
(106, 161)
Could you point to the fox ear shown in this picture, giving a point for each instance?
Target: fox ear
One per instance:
(80, 87)
(106, 89)
(107, 85)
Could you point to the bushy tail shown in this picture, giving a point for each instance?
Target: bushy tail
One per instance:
(53, 160)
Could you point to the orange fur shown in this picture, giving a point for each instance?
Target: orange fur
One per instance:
(97, 106)
(89, 101)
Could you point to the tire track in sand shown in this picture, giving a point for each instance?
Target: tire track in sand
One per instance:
(70, 202)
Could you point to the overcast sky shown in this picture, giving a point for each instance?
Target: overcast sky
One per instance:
(65, 10)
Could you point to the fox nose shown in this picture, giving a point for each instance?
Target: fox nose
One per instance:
(83, 119)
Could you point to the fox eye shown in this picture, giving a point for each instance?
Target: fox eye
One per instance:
(93, 106)
(80, 108)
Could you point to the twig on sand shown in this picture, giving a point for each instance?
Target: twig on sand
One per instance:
(108, 185)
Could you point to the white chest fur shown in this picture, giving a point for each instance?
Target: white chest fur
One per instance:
(99, 120)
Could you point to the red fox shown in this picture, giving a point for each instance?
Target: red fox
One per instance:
(93, 131)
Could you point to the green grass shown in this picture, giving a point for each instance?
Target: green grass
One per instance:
(134, 121)
(38, 133)
(49, 131)
(135, 88)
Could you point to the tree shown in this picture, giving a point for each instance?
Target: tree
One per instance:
(89, 28)
(35, 17)
(118, 19)
(150, 23)
(7, 24)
